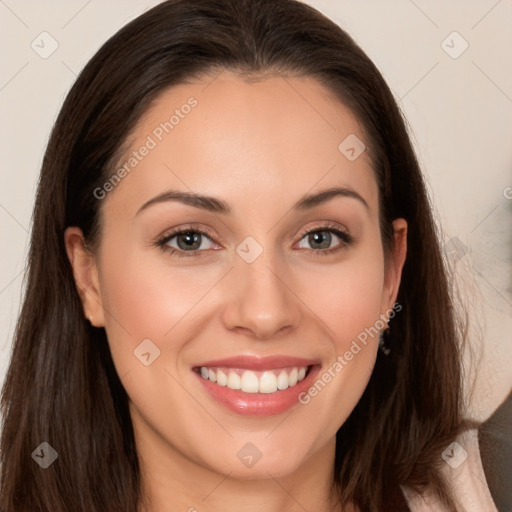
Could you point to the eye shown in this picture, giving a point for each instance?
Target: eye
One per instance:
(320, 239)
(185, 240)
(190, 241)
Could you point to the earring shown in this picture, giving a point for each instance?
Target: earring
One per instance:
(384, 341)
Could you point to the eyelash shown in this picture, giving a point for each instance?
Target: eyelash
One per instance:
(346, 240)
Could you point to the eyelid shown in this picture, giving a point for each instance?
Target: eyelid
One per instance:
(346, 239)
(164, 239)
(340, 231)
(170, 233)
(323, 226)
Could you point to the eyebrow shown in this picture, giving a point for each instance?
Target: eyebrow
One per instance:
(215, 205)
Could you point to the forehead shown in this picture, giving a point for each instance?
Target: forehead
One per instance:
(234, 138)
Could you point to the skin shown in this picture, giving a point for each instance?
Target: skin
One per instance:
(259, 146)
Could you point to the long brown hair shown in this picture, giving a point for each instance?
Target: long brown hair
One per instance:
(62, 387)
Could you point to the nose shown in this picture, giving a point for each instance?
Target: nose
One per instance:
(260, 301)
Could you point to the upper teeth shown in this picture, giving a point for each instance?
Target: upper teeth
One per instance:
(267, 381)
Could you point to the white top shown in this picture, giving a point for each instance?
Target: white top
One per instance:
(463, 469)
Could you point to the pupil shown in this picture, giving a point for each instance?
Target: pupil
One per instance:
(189, 240)
(321, 237)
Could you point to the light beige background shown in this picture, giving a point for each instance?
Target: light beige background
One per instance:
(459, 111)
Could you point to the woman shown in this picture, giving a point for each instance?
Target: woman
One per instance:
(184, 343)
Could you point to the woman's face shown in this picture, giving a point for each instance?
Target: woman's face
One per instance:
(281, 295)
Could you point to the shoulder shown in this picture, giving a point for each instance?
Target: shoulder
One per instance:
(463, 470)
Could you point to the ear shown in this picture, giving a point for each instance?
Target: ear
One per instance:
(85, 271)
(394, 265)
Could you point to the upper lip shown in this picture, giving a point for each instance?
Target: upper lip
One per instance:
(258, 363)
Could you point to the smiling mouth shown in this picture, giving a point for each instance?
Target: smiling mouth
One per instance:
(251, 381)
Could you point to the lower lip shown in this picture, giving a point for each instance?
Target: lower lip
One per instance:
(259, 404)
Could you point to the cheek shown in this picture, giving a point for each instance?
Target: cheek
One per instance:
(160, 303)
(346, 296)
(148, 300)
